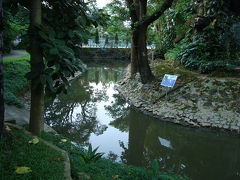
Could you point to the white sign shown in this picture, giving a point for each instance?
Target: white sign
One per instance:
(169, 80)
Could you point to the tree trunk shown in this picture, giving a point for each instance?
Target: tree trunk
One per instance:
(134, 55)
(144, 68)
(139, 24)
(139, 58)
(2, 109)
(37, 92)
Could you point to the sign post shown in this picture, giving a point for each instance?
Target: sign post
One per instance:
(168, 81)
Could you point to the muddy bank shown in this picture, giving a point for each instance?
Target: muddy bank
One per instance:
(201, 102)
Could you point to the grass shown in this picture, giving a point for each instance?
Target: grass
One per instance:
(25, 57)
(103, 169)
(14, 70)
(45, 162)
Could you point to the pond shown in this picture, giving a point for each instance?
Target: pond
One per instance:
(92, 112)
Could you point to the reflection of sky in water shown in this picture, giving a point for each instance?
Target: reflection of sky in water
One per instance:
(109, 140)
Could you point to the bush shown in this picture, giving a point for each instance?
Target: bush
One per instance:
(15, 81)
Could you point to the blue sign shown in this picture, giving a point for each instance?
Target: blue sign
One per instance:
(169, 80)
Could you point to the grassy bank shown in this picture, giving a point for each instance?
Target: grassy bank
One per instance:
(14, 70)
(102, 169)
(16, 152)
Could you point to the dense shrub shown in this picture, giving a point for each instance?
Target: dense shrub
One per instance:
(15, 81)
(209, 43)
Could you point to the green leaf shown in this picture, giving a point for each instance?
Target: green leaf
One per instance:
(34, 141)
(155, 167)
(43, 79)
(23, 170)
(54, 51)
(43, 35)
(70, 34)
(46, 45)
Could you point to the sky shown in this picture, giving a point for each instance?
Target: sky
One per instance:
(101, 3)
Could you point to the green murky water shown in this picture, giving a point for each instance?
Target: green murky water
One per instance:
(93, 113)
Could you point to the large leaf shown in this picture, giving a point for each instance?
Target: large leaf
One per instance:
(54, 51)
(23, 170)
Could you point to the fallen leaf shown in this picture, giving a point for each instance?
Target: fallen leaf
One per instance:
(214, 22)
(34, 141)
(8, 129)
(23, 170)
(64, 140)
(115, 177)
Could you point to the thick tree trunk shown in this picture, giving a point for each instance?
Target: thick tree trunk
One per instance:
(139, 24)
(2, 109)
(134, 54)
(144, 68)
(139, 58)
(37, 92)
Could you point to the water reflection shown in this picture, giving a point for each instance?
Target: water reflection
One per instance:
(93, 113)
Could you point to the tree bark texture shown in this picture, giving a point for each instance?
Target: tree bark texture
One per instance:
(2, 109)
(37, 91)
(139, 25)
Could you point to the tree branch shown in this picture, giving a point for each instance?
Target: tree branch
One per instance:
(133, 12)
(167, 4)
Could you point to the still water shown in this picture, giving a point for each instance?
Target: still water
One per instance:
(93, 113)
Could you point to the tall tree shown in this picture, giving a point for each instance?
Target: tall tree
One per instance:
(140, 22)
(1, 74)
(37, 91)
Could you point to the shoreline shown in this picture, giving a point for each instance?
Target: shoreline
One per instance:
(197, 103)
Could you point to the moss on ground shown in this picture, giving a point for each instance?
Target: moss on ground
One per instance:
(174, 68)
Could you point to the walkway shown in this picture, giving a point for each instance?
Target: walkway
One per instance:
(15, 54)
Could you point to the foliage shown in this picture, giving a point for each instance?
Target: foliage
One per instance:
(91, 156)
(172, 24)
(14, 80)
(155, 168)
(103, 168)
(63, 29)
(43, 162)
(209, 43)
(119, 20)
(15, 25)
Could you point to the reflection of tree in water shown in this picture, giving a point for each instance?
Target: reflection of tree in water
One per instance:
(176, 148)
(119, 110)
(74, 114)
